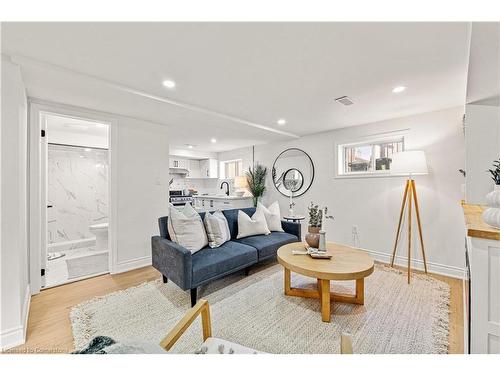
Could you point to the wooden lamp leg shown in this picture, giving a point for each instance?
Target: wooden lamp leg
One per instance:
(414, 191)
(410, 196)
(400, 221)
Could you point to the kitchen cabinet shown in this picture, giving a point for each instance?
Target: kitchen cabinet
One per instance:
(204, 203)
(175, 162)
(483, 279)
(209, 168)
(194, 169)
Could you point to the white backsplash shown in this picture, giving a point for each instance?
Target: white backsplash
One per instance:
(202, 185)
(77, 190)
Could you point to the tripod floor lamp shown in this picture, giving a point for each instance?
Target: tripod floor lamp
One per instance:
(409, 163)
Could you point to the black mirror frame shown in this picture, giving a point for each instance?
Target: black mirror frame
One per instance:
(312, 176)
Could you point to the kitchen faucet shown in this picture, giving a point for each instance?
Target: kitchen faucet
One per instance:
(227, 187)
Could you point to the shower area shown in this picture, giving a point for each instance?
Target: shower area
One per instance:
(77, 200)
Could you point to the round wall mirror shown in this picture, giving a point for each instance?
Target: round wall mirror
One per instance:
(293, 172)
(293, 180)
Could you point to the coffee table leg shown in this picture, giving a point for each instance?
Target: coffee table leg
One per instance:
(360, 291)
(325, 300)
(287, 281)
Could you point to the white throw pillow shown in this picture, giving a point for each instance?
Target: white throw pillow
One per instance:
(217, 228)
(186, 228)
(272, 215)
(251, 226)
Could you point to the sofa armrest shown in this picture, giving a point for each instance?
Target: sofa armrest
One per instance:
(292, 228)
(173, 261)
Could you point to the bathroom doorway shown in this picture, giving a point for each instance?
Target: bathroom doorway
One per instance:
(76, 155)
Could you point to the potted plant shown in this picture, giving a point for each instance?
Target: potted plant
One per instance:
(492, 214)
(316, 216)
(256, 178)
(315, 220)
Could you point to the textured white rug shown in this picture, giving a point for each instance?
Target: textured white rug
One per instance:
(253, 311)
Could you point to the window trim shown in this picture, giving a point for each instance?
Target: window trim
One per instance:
(385, 137)
(222, 167)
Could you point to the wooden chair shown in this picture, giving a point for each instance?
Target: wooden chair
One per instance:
(202, 308)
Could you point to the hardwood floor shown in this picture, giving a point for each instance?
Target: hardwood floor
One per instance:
(49, 327)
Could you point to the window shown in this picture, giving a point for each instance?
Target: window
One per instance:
(368, 158)
(231, 168)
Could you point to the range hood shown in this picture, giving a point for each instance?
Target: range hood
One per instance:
(181, 171)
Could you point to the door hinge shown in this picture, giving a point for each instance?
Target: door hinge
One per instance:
(43, 133)
(42, 272)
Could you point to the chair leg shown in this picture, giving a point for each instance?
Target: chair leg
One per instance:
(193, 296)
(165, 279)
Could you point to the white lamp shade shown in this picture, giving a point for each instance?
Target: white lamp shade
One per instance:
(240, 182)
(409, 162)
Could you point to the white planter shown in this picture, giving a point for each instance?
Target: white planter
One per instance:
(493, 198)
(491, 215)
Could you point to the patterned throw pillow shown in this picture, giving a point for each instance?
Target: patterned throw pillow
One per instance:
(217, 228)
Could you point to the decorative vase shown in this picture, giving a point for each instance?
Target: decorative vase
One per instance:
(491, 215)
(312, 236)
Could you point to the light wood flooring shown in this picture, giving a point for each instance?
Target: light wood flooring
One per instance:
(49, 327)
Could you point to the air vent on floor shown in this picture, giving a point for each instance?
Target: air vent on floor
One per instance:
(345, 100)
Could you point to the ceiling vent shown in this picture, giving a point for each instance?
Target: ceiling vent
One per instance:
(345, 100)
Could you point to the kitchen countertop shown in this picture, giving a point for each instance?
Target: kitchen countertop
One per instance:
(221, 197)
(476, 227)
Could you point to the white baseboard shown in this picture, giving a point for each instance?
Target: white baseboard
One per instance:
(129, 265)
(17, 335)
(26, 311)
(436, 268)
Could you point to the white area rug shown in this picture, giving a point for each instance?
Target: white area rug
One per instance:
(253, 311)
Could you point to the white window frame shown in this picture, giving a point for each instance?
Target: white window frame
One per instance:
(222, 167)
(382, 138)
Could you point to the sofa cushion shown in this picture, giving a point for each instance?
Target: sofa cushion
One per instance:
(186, 228)
(267, 246)
(232, 219)
(211, 263)
(252, 226)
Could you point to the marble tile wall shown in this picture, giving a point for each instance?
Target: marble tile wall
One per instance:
(77, 191)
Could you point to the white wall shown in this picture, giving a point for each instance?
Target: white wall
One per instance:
(14, 286)
(373, 204)
(483, 146)
(142, 150)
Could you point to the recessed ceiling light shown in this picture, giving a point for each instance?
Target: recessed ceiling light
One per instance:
(87, 149)
(398, 89)
(169, 84)
(281, 121)
(213, 140)
(189, 146)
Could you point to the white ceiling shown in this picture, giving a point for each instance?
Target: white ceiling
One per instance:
(234, 80)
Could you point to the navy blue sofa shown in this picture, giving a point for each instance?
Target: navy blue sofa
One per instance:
(189, 271)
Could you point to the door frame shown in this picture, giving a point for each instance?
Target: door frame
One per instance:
(38, 181)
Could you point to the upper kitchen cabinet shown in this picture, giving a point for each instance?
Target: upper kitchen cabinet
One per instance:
(175, 162)
(209, 168)
(194, 169)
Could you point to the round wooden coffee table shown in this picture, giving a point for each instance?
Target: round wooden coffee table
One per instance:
(347, 263)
